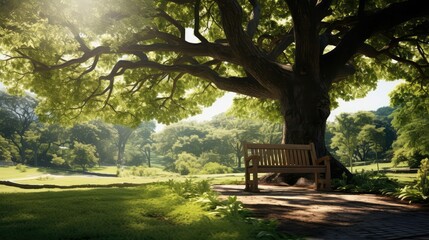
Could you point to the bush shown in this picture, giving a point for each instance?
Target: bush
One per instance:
(142, 171)
(215, 168)
(187, 163)
(57, 160)
(366, 182)
(420, 191)
(21, 167)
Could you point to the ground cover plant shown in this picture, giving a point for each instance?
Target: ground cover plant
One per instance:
(375, 182)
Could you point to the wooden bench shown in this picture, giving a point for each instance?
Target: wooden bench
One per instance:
(285, 158)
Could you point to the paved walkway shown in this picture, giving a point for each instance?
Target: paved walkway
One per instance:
(334, 215)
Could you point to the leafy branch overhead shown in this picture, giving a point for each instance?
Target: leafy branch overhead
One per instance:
(139, 60)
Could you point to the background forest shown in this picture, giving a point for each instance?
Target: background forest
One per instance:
(397, 134)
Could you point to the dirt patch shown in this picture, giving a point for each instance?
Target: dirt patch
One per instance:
(334, 215)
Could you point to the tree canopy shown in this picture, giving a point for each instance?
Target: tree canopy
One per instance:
(134, 58)
(129, 60)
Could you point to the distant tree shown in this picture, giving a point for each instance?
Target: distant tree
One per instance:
(384, 119)
(240, 131)
(184, 136)
(98, 134)
(142, 140)
(5, 151)
(84, 155)
(411, 121)
(346, 131)
(18, 113)
(374, 137)
(123, 133)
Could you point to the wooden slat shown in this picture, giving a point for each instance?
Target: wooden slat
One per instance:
(313, 154)
(278, 157)
(303, 159)
(282, 154)
(285, 158)
(307, 158)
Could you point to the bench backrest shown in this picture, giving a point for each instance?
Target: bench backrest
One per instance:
(282, 154)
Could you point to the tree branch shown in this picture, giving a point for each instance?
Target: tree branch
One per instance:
(197, 22)
(173, 21)
(369, 24)
(253, 23)
(246, 85)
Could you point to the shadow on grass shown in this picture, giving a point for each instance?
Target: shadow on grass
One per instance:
(69, 172)
(147, 212)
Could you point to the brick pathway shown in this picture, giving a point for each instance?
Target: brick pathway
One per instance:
(334, 215)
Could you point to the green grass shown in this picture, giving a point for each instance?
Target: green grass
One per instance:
(148, 212)
(373, 166)
(403, 178)
(39, 176)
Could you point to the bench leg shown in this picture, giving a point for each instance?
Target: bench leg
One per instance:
(255, 182)
(247, 180)
(316, 180)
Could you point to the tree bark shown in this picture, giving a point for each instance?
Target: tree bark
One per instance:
(306, 108)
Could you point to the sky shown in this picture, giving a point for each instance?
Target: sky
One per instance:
(373, 100)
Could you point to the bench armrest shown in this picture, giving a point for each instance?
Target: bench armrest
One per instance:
(254, 158)
(325, 159)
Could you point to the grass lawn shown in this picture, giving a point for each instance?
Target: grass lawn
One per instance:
(39, 176)
(382, 166)
(403, 178)
(152, 211)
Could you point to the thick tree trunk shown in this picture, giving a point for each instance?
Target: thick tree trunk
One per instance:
(306, 108)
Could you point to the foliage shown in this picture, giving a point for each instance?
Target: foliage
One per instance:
(58, 160)
(5, 150)
(17, 116)
(21, 167)
(134, 62)
(83, 155)
(411, 120)
(229, 208)
(219, 140)
(420, 191)
(366, 182)
(356, 136)
(187, 163)
(189, 188)
(215, 168)
(142, 171)
(141, 144)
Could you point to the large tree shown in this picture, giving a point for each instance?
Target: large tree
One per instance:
(134, 59)
(411, 120)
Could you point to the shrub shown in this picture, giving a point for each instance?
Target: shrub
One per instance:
(215, 168)
(142, 171)
(366, 182)
(420, 191)
(187, 163)
(21, 167)
(57, 160)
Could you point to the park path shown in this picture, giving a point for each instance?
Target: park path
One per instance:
(334, 215)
